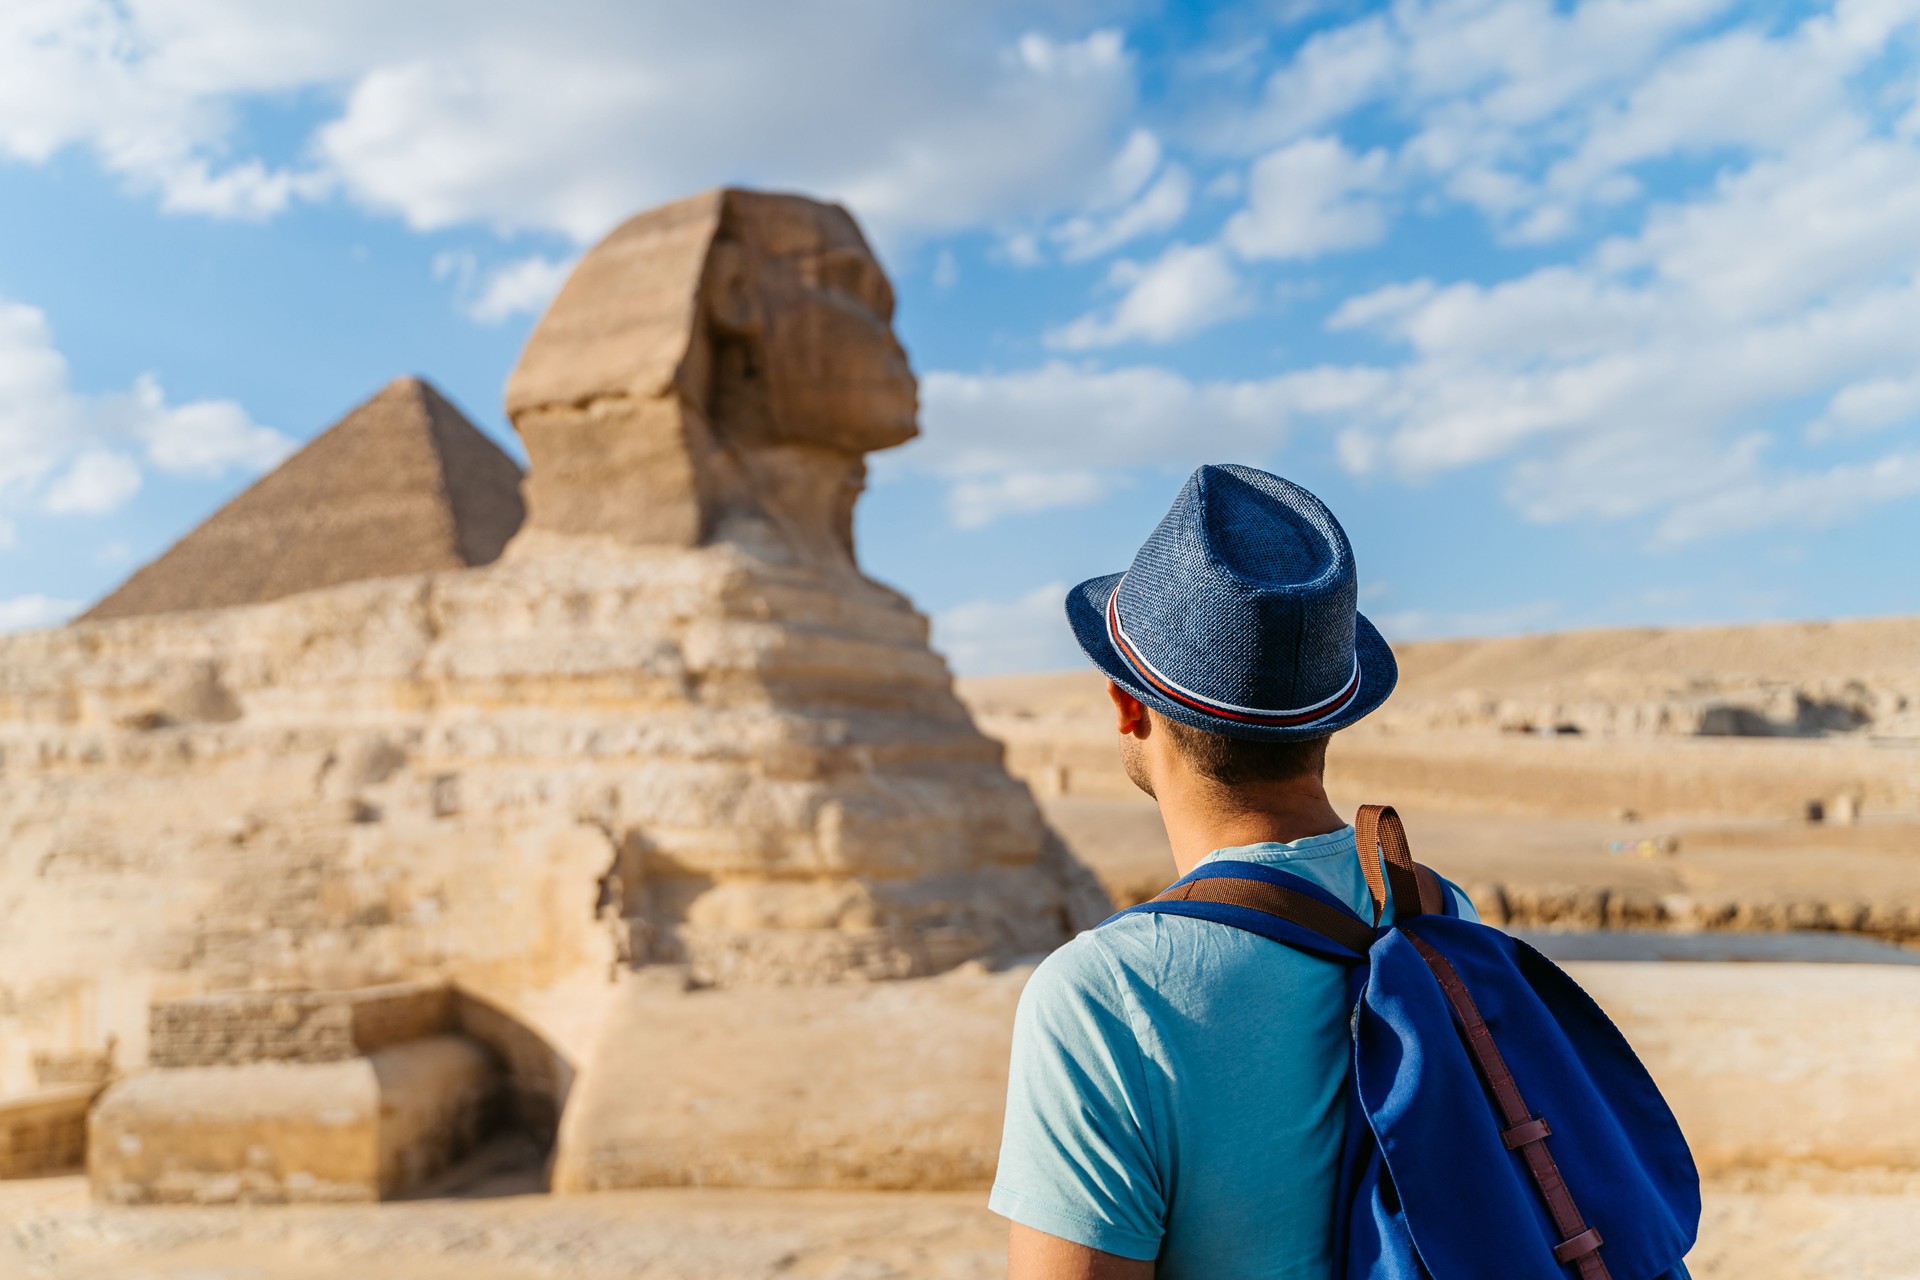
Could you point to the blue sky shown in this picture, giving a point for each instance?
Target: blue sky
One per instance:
(1577, 314)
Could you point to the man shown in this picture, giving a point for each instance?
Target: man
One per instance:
(1176, 1103)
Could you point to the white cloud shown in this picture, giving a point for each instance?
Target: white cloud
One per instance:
(1816, 500)
(34, 612)
(519, 287)
(1129, 170)
(203, 439)
(1186, 289)
(1308, 198)
(1649, 376)
(70, 453)
(1649, 380)
(1861, 408)
(1065, 435)
(994, 637)
(95, 483)
(1534, 112)
(975, 501)
(570, 115)
(1158, 210)
(1335, 71)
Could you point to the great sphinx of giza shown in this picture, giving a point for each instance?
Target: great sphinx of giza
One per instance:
(671, 728)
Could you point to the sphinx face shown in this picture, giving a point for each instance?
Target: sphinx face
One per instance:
(812, 359)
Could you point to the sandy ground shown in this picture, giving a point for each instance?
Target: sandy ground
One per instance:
(501, 1231)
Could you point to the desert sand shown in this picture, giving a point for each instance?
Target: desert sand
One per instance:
(500, 1231)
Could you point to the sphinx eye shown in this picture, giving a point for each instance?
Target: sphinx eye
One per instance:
(851, 272)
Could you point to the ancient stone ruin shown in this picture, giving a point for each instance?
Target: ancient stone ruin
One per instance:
(337, 739)
(403, 484)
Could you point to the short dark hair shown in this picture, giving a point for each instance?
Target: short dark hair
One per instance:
(1236, 762)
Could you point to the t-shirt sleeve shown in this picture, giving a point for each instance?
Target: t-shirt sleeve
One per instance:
(1077, 1158)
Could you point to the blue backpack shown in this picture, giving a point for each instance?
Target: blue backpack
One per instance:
(1498, 1125)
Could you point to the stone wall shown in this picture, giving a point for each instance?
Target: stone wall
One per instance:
(44, 1132)
(235, 1027)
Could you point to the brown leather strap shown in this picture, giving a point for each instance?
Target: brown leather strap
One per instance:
(1581, 1247)
(1386, 860)
(1277, 900)
(1579, 1243)
(1433, 893)
(1521, 1134)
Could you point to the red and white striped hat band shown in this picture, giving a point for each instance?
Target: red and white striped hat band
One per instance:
(1170, 688)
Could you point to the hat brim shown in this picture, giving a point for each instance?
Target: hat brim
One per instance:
(1087, 614)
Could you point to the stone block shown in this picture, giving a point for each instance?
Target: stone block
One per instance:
(358, 1129)
(893, 1086)
(230, 1028)
(44, 1132)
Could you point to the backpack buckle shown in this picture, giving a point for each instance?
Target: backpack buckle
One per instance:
(1526, 1131)
(1579, 1246)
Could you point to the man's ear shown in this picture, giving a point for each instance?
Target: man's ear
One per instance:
(1132, 712)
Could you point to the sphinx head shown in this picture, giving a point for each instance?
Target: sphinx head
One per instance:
(718, 367)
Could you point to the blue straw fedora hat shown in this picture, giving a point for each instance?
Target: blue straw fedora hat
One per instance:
(1238, 615)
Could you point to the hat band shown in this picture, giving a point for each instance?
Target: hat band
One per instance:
(1117, 633)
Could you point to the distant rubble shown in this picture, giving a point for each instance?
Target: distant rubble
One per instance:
(1699, 707)
(1777, 680)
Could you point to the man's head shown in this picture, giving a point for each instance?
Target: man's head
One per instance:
(1233, 650)
(1156, 748)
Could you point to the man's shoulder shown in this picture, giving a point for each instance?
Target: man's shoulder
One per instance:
(1080, 969)
(1154, 956)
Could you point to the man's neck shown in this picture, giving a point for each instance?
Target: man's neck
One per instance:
(1202, 817)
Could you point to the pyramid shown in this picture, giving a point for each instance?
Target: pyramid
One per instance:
(403, 484)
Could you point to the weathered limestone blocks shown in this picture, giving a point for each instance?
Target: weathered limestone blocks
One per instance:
(45, 1131)
(360, 1128)
(1769, 1067)
(237, 1027)
(295, 1096)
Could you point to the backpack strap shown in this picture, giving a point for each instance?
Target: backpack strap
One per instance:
(1276, 900)
(1266, 900)
(1386, 860)
(1521, 1130)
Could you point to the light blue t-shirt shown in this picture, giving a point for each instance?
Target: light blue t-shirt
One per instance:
(1177, 1089)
